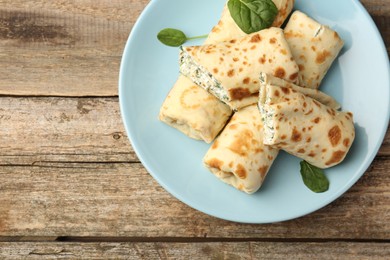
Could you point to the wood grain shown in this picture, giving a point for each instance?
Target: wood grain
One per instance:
(121, 199)
(36, 130)
(65, 48)
(243, 250)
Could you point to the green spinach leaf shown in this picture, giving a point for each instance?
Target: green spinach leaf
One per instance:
(171, 37)
(174, 38)
(314, 178)
(253, 15)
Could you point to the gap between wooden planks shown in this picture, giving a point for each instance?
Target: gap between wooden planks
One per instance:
(219, 250)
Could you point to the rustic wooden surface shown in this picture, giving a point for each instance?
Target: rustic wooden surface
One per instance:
(201, 251)
(61, 131)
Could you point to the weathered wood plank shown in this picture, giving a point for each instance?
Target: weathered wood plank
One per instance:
(385, 148)
(57, 129)
(232, 250)
(119, 10)
(71, 129)
(122, 200)
(67, 48)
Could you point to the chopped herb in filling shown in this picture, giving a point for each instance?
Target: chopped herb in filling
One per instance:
(267, 114)
(200, 76)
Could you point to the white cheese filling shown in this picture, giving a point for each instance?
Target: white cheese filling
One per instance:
(200, 76)
(267, 115)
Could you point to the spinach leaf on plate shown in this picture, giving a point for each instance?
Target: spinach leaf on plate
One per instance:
(314, 178)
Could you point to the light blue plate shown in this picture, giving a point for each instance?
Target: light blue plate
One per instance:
(359, 80)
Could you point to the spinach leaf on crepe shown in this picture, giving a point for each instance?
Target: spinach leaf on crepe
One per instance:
(253, 15)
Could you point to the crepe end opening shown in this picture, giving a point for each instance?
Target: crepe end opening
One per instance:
(267, 113)
(229, 178)
(190, 68)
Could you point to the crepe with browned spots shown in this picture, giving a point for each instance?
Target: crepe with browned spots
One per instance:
(313, 93)
(304, 127)
(314, 47)
(238, 155)
(230, 70)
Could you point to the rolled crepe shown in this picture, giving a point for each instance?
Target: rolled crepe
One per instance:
(230, 70)
(304, 127)
(314, 47)
(193, 111)
(194, 117)
(269, 79)
(313, 93)
(284, 9)
(238, 156)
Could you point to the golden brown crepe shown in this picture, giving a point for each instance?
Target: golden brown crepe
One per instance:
(193, 111)
(313, 93)
(284, 9)
(304, 127)
(314, 47)
(230, 70)
(238, 155)
(199, 120)
(265, 78)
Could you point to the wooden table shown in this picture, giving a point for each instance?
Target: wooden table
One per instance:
(71, 185)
